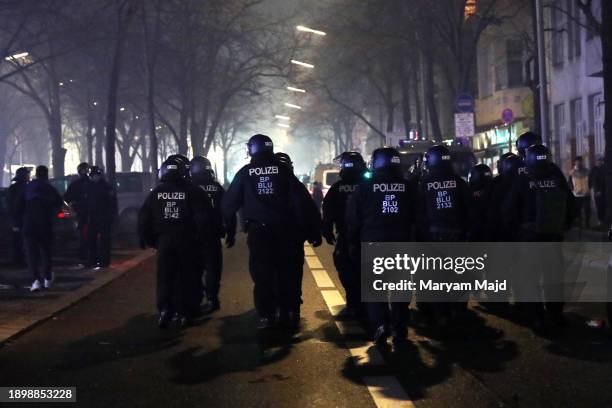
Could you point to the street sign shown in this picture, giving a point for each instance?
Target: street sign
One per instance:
(507, 116)
(465, 103)
(464, 125)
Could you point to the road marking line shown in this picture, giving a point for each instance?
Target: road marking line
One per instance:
(387, 392)
(313, 262)
(365, 354)
(322, 278)
(308, 251)
(334, 301)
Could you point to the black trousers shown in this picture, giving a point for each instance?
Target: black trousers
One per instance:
(212, 268)
(584, 207)
(348, 272)
(600, 205)
(17, 255)
(392, 315)
(83, 240)
(99, 241)
(176, 282)
(276, 260)
(39, 253)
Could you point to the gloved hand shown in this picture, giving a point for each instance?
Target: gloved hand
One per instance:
(330, 238)
(315, 242)
(230, 240)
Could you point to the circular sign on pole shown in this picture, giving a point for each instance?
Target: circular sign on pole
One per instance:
(465, 103)
(507, 116)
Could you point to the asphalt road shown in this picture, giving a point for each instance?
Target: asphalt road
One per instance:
(109, 347)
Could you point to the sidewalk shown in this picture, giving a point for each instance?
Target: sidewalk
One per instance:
(21, 309)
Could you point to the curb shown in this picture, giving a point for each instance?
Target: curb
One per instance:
(14, 328)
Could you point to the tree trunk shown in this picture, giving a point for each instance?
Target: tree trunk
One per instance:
(113, 88)
(99, 143)
(58, 153)
(417, 98)
(151, 59)
(606, 45)
(3, 140)
(183, 126)
(406, 104)
(430, 99)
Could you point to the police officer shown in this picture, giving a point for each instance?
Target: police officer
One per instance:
(203, 176)
(173, 220)
(382, 210)
(309, 226)
(272, 209)
(444, 216)
(352, 169)
(76, 196)
(101, 208)
(541, 207)
(14, 196)
(39, 206)
(507, 171)
(479, 180)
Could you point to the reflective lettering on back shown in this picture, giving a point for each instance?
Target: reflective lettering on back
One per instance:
(347, 188)
(172, 204)
(264, 177)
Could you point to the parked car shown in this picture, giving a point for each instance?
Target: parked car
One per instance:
(132, 189)
(64, 228)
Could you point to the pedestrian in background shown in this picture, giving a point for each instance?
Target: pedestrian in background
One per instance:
(76, 196)
(39, 206)
(597, 183)
(579, 184)
(101, 207)
(317, 194)
(14, 195)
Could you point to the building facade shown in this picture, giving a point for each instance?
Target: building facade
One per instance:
(576, 85)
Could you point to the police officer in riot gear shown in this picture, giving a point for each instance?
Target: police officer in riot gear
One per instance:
(444, 199)
(76, 196)
(444, 216)
(352, 169)
(185, 164)
(480, 179)
(101, 208)
(173, 219)
(203, 176)
(540, 207)
(382, 210)
(274, 212)
(507, 171)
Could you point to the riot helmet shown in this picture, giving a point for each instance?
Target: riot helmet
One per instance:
(350, 163)
(185, 163)
(385, 158)
(525, 140)
(438, 157)
(200, 166)
(284, 159)
(259, 144)
(95, 173)
(508, 164)
(172, 169)
(538, 159)
(480, 176)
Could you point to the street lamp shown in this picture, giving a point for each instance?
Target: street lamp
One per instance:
(293, 89)
(282, 117)
(302, 64)
(310, 30)
(292, 106)
(283, 125)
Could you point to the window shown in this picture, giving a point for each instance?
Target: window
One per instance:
(557, 35)
(577, 30)
(596, 128)
(559, 113)
(569, 27)
(484, 73)
(577, 123)
(514, 55)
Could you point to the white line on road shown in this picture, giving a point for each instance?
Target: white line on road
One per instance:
(313, 262)
(322, 278)
(387, 392)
